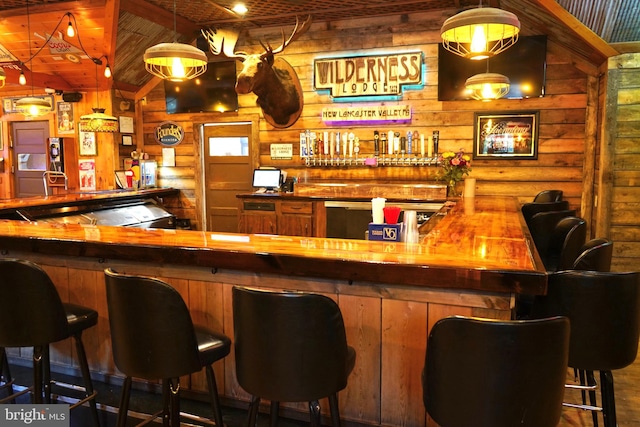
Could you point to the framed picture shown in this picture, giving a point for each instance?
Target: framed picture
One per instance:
(66, 124)
(126, 124)
(88, 145)
(127, 140)
(512, 135)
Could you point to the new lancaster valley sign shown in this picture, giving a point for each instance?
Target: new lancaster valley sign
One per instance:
(373, 75)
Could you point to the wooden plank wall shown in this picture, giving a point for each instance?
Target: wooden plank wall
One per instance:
(562, 114)
(619, 193)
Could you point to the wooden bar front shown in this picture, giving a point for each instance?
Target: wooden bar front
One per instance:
(472, 263)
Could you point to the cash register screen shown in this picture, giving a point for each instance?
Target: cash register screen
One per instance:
(266, 178)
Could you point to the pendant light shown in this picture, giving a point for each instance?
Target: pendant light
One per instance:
(31, 105)
(480, 33)
(487, 86)
(175, 61)
(98, 121)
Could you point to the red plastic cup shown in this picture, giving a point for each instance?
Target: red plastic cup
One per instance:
(391, 214)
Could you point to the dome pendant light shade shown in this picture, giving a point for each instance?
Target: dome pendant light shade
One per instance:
(480, 33)
(32, 106)
(488, 86)
(98, 121)
(175, 61)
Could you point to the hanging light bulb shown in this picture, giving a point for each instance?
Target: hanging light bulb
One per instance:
(22, 79)
(175, 61)
(480, 33)
(107, 71)
(30, 105)
(70, 31)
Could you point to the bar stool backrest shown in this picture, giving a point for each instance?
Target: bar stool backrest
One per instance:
(530, 209)
(548, 196)
(604, 310)
(32, 312)
(152, 333)
(542, 226)
(289, 346)
(595, 255)
(490, 373)
(567, 239)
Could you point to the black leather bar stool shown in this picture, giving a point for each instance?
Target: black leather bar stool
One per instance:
(595, 255)
(492, 373)
(34, 316)
(290, 347)
(530, 209)
(604, 310)
(154, 338)
(565, 243)
(548, 196)
(6, 381)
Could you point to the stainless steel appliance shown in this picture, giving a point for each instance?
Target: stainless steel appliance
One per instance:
(350, 219)
(141, 213)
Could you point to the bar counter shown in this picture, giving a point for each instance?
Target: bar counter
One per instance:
(472, 262)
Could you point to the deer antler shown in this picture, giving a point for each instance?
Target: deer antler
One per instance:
(223, 42)
(298, 30)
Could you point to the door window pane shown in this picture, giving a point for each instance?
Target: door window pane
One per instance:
(229, 146)
(32, 162)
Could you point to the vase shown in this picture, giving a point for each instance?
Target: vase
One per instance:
(454, 188)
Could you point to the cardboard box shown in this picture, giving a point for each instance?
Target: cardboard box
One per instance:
(385, 232)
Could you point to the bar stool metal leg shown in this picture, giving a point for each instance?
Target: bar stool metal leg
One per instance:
(608, 399)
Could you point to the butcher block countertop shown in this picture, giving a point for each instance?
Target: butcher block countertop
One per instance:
(479, 244)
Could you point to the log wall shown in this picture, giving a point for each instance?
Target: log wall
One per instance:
(619, 180)
(562, 114)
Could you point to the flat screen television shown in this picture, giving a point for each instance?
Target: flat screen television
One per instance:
(524, 64)
(212, 91)
(269, 179)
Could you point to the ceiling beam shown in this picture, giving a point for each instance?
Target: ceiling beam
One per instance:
(581, 30)
(159, 16)
(111, 15)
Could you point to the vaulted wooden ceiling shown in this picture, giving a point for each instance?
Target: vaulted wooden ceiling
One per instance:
(119, 31)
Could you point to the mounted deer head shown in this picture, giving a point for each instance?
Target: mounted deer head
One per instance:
(272, 79)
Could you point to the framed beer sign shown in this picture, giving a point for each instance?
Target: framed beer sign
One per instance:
(512, 135)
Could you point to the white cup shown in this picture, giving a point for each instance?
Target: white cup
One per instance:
(377, 209)
(469, 187)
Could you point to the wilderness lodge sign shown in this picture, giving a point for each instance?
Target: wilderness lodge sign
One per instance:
(373, 75)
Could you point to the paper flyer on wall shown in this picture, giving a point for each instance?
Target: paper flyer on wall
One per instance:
(87, 170)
